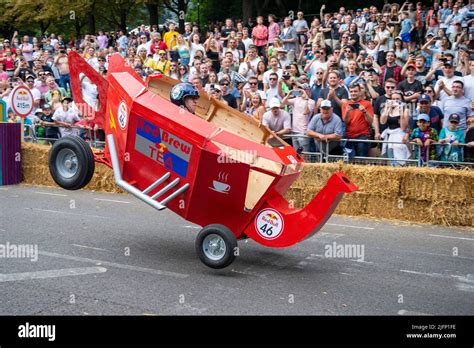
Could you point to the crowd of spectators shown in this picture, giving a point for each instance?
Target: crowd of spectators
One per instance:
(403, 74)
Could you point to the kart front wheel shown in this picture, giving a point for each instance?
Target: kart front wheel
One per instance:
(71, 163)
(216, 246)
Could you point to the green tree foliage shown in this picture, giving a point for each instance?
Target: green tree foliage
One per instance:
(76, 17)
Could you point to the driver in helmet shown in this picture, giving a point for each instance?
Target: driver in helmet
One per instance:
(185, 95)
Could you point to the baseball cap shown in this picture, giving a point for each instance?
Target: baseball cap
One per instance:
(411, 66)
(162, 52)
(46, 106)
(448, 62)
(38, 111)
(66, 98)
(6, 40)
(358, 10)
(454, 117)
(424, 98)
(29, 76)
(274, 103)
(424, 117)
(326, 104)
(282, 50)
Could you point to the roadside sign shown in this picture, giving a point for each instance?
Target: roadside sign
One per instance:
(22, 101)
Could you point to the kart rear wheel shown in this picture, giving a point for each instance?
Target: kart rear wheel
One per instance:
(216, 246)
(71, 163)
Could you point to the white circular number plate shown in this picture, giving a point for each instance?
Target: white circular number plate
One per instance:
(22, 101)
(269, 224)
(122, 115)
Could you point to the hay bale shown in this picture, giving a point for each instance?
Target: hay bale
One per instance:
(103, 180)
(423, 195)
(437, 185)
(353, 204)
(376, 180)
(395, 208)
(37, 175)
(452, 214)
(316, 174)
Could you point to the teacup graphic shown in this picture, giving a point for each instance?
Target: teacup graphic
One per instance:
(220, 186)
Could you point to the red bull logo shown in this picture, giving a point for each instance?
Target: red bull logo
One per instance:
(271, 219)
(22, 96)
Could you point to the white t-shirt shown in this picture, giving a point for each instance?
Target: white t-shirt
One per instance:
(266, 75)
(277, 123)
(247, 42)
(272, 92)
(146, 45)
(314, 67)
(469, 87)
(93, 62)
(300, 119)
(90, 94)
(448, 82)
(70, 116)
(244, 69)
(192, 51)
(379, 36)
(235, 53)
(36, 97)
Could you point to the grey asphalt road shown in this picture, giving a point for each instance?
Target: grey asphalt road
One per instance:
(109, 254)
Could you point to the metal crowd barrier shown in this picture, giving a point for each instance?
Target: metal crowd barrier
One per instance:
(413, 160)
(89, 135)
(316, 157)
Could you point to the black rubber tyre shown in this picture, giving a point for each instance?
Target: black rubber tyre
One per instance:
(71, 163)
(216, 246)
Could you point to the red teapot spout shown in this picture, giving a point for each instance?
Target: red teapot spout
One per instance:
(278, 225)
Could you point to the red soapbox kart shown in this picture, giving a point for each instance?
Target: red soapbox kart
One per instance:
(219, 168)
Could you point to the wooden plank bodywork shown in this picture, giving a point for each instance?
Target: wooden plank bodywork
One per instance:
(216, 112)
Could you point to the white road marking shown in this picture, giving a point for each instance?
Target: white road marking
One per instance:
(55, 273)
(406, 312)
(116, 265)
(351, 226)
(194, 227)
(249, 273)
(3, 189)
(110, 200)
(425, 253)
(462, 238)
(361, 261)
(88, 247)
(50, 194)
(67, 213)
(434, 275)
(335, 235)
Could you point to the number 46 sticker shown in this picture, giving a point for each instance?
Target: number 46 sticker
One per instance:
(269, 224)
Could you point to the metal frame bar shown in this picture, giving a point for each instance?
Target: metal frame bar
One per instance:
(133, 190)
